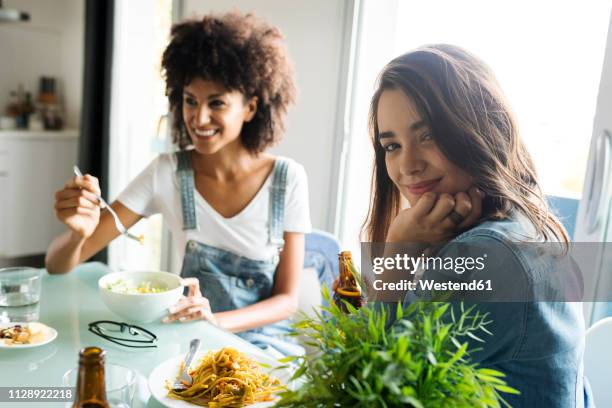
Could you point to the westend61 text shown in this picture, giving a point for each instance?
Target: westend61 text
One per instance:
(429, 285)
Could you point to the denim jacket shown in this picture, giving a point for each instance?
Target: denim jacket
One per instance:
(538, 345)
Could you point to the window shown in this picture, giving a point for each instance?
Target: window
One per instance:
(138, 102)
(547, 56)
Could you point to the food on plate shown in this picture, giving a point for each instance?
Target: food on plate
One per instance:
(227, 378)
(30, 333)
(129, 287)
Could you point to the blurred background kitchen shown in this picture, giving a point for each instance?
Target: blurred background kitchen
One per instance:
(41, 71)
(80, 82)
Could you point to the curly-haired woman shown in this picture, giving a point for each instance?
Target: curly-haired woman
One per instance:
(231, 206)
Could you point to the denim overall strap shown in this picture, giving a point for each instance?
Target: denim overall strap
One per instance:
(231, 281)
(184, 172)
(277, 203)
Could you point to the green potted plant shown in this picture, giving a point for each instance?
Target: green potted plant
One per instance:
(420, 361)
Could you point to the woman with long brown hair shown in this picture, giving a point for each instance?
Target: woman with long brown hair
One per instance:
(450, 167)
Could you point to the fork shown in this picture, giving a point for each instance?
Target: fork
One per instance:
(104, 204)
(184, 380)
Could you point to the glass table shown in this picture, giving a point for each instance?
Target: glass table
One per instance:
(68, 303)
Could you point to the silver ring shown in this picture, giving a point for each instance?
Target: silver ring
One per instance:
(456, 218)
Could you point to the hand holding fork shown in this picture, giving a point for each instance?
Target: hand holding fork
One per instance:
(78, 206)
(103, 204)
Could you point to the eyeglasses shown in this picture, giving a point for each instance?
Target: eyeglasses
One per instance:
(111, 331)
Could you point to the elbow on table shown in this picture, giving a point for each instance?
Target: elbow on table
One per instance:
(54, 269)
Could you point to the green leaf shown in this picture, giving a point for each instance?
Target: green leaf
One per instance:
(458, 354)
(299, 372)
(288, 359)
(456, 342)
(431, 358)
(406, 399)
(440, 311)
(366, 370)
(472, 335)
(506, 389)
(490, 372)
(491, 379)
(399, 311)
(426, 326)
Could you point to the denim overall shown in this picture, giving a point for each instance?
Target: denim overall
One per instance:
(230, 281)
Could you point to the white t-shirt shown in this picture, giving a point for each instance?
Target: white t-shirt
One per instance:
(156, 190)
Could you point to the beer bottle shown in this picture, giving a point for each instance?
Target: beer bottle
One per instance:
(347, 289)
(90, 387)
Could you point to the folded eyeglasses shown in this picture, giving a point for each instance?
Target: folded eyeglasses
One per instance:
(124, 334)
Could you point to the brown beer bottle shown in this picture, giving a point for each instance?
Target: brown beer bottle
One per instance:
(90, 387)
(347, 288)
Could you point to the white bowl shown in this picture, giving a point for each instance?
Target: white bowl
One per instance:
(141, 307)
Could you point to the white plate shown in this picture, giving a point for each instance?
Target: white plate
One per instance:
(50, 337)
(169, 369)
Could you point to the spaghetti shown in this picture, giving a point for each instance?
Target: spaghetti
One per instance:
(227, 378)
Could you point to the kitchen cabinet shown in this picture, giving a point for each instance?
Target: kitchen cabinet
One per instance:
(33, 165)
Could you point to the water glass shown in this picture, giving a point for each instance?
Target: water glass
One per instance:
(120, 384)
(28, 313)
(19, 286)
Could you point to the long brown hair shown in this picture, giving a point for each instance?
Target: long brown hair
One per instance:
(473, 126)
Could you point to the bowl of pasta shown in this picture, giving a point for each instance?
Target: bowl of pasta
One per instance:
(140, 296)
(224, 377)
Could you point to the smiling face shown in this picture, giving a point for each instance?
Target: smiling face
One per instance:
(214, 116)
(414, 162)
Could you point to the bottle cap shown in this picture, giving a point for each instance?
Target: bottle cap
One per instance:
(91, 355)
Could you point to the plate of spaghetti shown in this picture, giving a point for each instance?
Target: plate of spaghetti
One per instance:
(221, 378)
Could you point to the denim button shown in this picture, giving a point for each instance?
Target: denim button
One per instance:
(192, 245)
(250, 282)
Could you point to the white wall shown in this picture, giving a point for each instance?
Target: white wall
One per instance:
(314, 31)
(50, 44)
